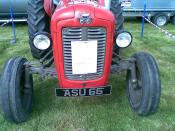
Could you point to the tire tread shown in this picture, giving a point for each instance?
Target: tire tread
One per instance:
(151, 84)
(38, 21)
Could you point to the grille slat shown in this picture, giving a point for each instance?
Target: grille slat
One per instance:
(76, 34)
(67, 40)
(99, 39)
(72, 37)
(96, 36)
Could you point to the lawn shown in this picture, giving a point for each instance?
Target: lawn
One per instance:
(107, 113)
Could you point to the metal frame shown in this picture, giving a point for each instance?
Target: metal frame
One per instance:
(38, 68)
(45, 69)
(15, 20)
(43, 66)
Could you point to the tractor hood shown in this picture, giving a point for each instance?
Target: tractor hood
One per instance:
(75, 11)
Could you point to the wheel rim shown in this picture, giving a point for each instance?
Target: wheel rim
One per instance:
(161, 20)
(135, 90)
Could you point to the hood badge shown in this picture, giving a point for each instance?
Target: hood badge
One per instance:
(85, 18)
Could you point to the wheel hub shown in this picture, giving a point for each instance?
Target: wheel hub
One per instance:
(135, 89)
(161, 20)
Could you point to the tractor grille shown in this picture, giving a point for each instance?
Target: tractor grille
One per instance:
(84, 34)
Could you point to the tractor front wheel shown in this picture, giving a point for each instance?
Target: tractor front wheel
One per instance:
(144, 92)
(16, 91)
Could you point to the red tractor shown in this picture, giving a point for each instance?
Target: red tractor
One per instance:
(78, 42)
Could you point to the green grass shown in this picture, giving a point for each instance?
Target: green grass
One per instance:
(107, 113)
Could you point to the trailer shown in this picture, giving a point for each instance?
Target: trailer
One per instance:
(160, 12)
(17, 6)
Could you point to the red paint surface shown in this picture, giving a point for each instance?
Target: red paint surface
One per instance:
(48, 6)
(67, 16)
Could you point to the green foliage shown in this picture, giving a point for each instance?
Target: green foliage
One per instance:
(107, 113)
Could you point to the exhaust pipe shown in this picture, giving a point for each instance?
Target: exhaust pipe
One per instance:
(107, 4)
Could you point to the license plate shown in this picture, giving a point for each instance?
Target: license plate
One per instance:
(84, 92)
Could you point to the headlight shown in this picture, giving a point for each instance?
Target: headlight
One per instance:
(124, 39)
(42, 41)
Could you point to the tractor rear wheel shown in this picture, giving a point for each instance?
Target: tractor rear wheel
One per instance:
(117, 11)
(119, 19)
(16, 91)
(144, 93)
(38, 21)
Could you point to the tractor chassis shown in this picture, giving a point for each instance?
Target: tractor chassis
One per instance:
(46, 70)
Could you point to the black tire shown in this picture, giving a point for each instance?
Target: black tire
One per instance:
(139, 18)
(16, 96)
(38, 21)
(144, 96)
(117, 11)
(173, 20)
(160, 19)
(119, 19)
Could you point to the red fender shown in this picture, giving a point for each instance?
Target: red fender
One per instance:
(48, 6)
(101, 2)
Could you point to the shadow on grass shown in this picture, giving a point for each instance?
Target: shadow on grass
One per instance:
(45, 99)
